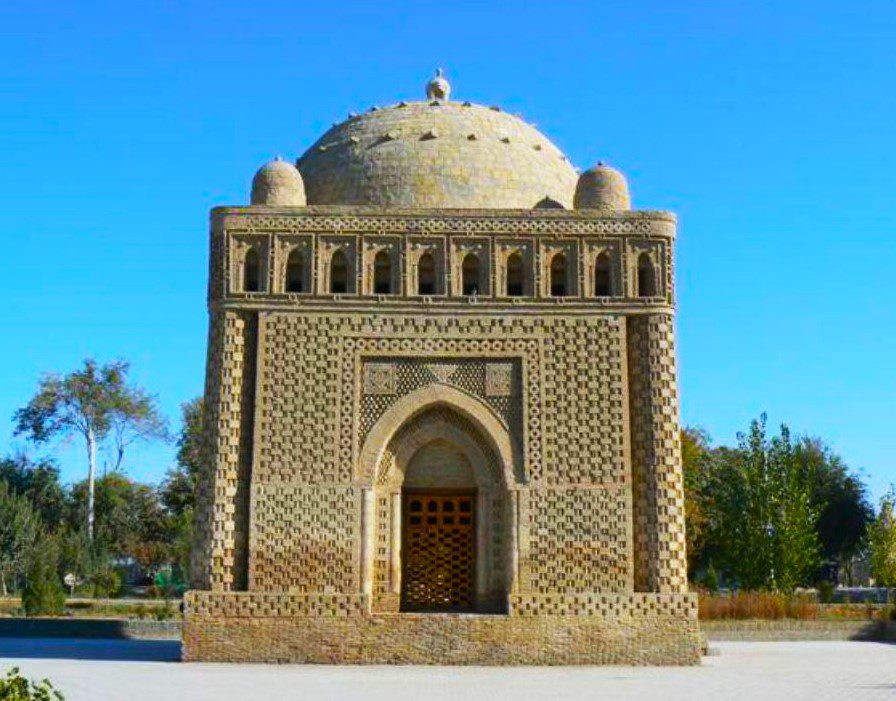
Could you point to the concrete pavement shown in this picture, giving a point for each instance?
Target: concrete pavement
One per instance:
(138, 670)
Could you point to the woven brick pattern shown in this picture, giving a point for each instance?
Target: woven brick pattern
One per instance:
(304, 539)
(300, 390)
(583, 409)
(408, 374)
(658, 491)
(578, 541)
(223, 529)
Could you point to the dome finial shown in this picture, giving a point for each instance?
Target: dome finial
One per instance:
(438, 88)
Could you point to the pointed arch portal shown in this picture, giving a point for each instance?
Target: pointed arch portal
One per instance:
(438, 464)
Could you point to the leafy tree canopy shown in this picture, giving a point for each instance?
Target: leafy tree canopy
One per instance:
(97, 403)
(37, 481)
(20, 530)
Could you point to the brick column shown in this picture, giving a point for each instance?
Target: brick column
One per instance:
(657, 485)
(220, 554)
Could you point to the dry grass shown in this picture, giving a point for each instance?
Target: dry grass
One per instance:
(852, 612)
(766, 606)
(757, 605)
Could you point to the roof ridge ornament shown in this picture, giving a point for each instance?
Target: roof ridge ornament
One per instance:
(438, 88)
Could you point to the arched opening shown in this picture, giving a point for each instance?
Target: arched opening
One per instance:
(251, 271)
(295, 272)
(558, 276)
(646, 277)
(426, 275)
(515, 275)
(338, 273)
(443, 543)
(603, 282)
(382, 274)
(470, 274)
(438, 530)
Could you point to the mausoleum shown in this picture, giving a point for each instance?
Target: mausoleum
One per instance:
(441, 407)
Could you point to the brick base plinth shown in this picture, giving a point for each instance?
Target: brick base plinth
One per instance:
(630, 639)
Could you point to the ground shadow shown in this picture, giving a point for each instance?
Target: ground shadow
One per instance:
(90, 649)
(876, 631)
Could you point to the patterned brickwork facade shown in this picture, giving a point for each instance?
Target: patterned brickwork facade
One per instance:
(564, 408)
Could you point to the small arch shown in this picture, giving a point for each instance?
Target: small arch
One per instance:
(558, 276)
(295, 272)
(252, 271)
(470, 275)
(646, 277)
(382, 274)
(603, 279)
(338, 272)
(426, 275)
(515, 281)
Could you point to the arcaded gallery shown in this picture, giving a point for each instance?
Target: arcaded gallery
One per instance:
(441, 407)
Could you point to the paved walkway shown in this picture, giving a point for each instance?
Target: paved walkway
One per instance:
(136, 670)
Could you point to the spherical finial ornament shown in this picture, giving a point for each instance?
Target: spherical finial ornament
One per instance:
(604, 188)
(278, 183)
(438, 88)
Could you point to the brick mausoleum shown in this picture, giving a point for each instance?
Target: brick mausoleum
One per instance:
(441, 407)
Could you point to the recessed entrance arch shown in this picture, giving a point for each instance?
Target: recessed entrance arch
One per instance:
(439, 536)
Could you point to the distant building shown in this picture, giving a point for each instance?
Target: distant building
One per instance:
(441, 380)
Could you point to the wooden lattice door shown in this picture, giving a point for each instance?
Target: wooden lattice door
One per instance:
(439, 554)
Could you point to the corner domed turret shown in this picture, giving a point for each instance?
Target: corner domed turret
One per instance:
(602, 187)
(278, 183)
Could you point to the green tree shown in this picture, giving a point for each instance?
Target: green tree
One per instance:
(19, 532)
(839, 498)
(711, 579)
(131, 522)
(696, 458)
(80, 556)
(882, 542)
(98, 404)
(43, 594)
(37, 481)
(178, 490)
(764, 525)
(793, 517)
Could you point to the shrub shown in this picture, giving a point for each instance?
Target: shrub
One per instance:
(825, 592)
(166, 612)
(15, 687)
(43, 594)
(106, 583)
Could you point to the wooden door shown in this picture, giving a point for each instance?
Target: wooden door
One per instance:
(439, 552)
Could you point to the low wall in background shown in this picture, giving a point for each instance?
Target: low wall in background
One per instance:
(789, 629)
(108, 628)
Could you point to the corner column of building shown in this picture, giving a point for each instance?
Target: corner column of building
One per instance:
(660, 562)
(221, 553)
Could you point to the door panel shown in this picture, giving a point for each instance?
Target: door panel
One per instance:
(439, 553)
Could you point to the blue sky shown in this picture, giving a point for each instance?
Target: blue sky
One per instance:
(768, 127)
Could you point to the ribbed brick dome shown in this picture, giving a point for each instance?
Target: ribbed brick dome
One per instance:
(436, 154)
